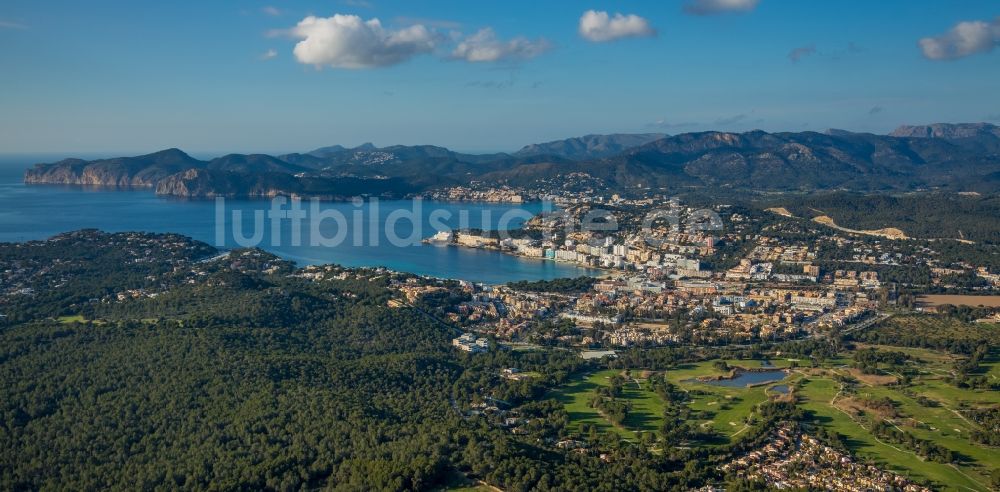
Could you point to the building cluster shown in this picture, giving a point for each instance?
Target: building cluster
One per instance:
(413, 291)
(661, 287)
(661, 312)
(25, 276)
(468, 342)
(940, 276)
(588, 235)
(992, 278)
(596, 250)
(479, 194)
(637, 310)
(790, 459)
(661, 292)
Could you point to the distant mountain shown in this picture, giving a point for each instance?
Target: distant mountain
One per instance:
(983, 138)
(950, 131)
(140, 171)
(589, 146)
(328, 151)
(213, 183)
(254, 163)
(950, 157)
(785, 161)
(836, 132)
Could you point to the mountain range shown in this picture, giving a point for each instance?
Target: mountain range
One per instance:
(589, 146)
(959, 157)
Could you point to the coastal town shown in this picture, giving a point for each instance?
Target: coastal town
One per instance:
(682, 275)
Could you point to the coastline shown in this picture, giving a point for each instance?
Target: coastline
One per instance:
(608, 272)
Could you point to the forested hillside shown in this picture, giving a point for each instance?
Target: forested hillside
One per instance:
(168, 368)
(971, 217)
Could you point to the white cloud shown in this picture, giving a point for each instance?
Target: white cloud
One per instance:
(269, 55)
(598, 26)
(347, 41)
(964, 39)
(484, 46)
(711, 7)
(271, 10)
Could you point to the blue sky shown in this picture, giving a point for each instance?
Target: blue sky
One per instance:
(222, 76)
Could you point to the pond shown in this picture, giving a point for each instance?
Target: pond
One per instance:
(747, 378)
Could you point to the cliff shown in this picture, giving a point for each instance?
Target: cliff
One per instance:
(140, 171)
(205, 183)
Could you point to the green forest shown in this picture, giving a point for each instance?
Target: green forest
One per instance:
(971, 217)
(231, 378)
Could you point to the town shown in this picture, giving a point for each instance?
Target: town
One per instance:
(684, 275)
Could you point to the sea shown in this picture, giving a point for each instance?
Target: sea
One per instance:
(385, 233)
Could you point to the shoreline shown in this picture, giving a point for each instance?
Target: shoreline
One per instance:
(608, 272)
(135, 187)
(266, 196)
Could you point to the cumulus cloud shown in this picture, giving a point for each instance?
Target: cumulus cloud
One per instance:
(347, 41)
(271, 10)
(964, 39)
(269, 55)
(712, 7)
(484, 46)
(598, 26)
(801, 52)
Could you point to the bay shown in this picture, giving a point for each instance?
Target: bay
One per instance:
(31, 212)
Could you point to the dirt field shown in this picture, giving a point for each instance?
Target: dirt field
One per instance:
(872, 379)
(888, 232)
(956, 300)
(781, 211)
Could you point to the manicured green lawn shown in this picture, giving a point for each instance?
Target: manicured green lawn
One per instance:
(943, 426)
(647, 407)
(945, 392)
(725, 409)
(816, 394)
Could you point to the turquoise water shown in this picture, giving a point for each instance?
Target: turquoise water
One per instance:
(29, 212)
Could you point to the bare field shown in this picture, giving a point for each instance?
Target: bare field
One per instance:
(887, 232)
(958, 300)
